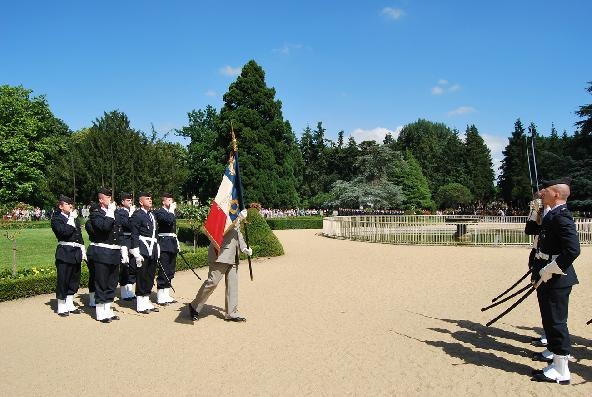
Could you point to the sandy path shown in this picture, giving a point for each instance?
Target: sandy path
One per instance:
(331, 317)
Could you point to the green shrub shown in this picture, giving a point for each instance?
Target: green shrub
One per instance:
(297, 222)
(196, 259)
(261, 238)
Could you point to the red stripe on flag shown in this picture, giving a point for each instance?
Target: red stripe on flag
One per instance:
(215, 224)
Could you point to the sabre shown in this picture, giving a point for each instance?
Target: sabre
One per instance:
(536, 175)
(507, 298)
(165, 275)
(589, 322)
(522, 298)
(513, 286)
(188, 265)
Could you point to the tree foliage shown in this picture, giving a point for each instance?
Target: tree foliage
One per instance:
(30, 137)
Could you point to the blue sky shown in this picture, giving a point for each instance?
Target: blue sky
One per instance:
(364, 67)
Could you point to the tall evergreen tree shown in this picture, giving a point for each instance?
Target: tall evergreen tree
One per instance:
(271, 165)
(514, 181)
(414, 185)
(478, 166)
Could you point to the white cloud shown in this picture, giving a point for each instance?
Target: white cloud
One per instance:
(376, 134)
(442, 86)
(287, 48)
(437, 90)
(211, 93)
(230, 71)
(462, 110)
(392, 13)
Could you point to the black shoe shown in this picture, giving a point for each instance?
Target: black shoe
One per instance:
(540, 357)
(75, 311)
(105, 320)
(65, 314)
(147, 311)
(542, 378)
(128, 299)
(536, 372)
(236, 319)
(193, 313)
(163, 303)
(115, 317)
(155, 309)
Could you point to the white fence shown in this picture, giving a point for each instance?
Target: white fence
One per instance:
(438, 229)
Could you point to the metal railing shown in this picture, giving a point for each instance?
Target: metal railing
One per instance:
(438, 229)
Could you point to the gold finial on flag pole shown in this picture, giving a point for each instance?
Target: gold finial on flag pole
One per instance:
(234, 143)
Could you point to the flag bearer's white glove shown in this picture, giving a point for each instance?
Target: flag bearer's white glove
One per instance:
(247, 251)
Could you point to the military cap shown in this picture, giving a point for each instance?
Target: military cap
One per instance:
(144, 194)
(559, 181)
(124, 196)
(105, 191)
(65, 199)
(166, 195)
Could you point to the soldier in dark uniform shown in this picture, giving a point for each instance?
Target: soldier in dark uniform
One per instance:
(559, 246)
(127, 270)
(169, 247)
(145, 250)
(70, 253)
(105, 253)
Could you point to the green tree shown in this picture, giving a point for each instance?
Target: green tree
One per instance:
(453, 195)
(414, 185)
(205, 161)
(373, 186)
(478, 166)
(30, 137)
(514, 181)
(271, 165)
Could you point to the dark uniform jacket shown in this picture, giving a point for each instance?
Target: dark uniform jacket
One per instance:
(558, 236)
(105, 230)
(122, 217)
(142, 225)
(167, 223)
(68, 233)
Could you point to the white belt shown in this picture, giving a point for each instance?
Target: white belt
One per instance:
(149, 243)
(110, 246)
(77, 245)
(542, 255)
(171, 235)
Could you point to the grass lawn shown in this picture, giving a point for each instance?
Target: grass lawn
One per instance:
(36, 248)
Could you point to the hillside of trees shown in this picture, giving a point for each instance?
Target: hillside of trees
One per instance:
(428, 166)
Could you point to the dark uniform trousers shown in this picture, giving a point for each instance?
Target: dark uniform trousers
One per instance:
(67, 258)
(145, 275)
(554, 303)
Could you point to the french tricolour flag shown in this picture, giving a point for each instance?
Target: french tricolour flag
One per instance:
(227, 204)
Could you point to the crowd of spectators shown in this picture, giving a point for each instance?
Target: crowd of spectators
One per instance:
(280, 213)
(25, 214)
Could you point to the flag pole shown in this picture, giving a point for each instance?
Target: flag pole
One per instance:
(240, 195)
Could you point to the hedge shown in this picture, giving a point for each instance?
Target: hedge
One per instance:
(297, 222)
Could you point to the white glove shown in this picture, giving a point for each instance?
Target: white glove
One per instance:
(132, 209)
(535, 210)
(71, 220)
(243, 214)
(247, 251)
(124, 254)
(74, 214)
(111, 210)
(173, 207)
(136, 253)
(84, 258)
(549, 270)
